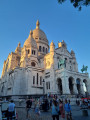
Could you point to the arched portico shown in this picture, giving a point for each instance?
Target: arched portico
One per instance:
(59, 81)
(78, 85)
(71, 81)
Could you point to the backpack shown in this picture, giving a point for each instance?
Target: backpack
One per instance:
(68, 106)
(59, 113)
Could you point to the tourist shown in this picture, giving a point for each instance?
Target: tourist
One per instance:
(11, 110)
(50, 103)
(55, 110)
(62, 112)
(67, 108)
(28, 107)
(69, 101)
(76, 101)
(37, 106)
(89, 104)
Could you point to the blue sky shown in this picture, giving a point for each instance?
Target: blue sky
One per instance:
(59, 22)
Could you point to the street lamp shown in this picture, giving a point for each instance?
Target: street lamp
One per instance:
(43, 86)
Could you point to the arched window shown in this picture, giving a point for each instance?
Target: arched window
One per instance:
(28, 51)
(33, 64)
(70, 68)
(40, 80)
(40, 48)
(37, 78)
(43, 49)
(33, 80)
(33, 52)
(46, 50)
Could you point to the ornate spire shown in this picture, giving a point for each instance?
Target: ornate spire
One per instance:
(52, 44)
(37, 24)
(31, 32)
(19, 44)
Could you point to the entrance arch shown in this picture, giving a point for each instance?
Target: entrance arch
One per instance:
(78, 85)
(71, 80)
(60, 85)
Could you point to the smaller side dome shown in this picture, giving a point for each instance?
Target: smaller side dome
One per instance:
(30, 41)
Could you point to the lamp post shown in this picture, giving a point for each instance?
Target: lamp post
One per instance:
(43, 86)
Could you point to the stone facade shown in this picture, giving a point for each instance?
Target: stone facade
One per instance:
(32, 69)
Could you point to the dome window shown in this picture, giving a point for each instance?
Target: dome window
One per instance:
(33, 64)
(43, 49)
(46, 50)
(33, 52)
(40, 48)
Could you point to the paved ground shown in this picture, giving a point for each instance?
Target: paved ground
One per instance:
(76, 114)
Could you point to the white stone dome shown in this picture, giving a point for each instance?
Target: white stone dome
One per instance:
(38, 34)
(30, 41)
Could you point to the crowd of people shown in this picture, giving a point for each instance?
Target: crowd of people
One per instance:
(83, 103)
(8, 110)
(58, 107)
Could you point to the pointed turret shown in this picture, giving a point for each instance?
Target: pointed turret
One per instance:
(18, 49)
(37, 24)
(31, 32)
(19, 44)
(62, 44)
(52, 47)
(72, 53)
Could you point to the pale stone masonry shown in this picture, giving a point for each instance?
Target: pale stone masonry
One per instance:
(32, 69)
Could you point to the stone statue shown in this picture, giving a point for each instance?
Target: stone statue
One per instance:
(62, 63)
(84, 68)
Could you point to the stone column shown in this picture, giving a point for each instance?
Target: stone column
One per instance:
(88, 86)
(65, 86)
(75, 88)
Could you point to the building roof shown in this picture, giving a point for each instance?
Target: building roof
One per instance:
(30, 41)
(38, 34)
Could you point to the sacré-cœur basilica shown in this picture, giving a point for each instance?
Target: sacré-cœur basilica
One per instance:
(33, 70)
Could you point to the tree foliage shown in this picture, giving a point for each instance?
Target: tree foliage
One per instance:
(77, 3)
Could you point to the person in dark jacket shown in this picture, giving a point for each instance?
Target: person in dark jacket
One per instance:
(28, 106)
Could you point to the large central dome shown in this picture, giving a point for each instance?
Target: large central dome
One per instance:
(38, 34)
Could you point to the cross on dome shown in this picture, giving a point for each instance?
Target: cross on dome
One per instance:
(37, 24)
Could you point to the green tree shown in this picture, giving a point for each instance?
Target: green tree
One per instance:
(77, 3)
